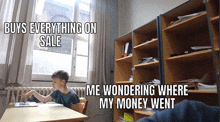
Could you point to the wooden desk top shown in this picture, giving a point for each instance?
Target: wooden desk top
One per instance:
(43, 113)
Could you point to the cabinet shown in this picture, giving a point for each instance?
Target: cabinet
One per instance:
(145, 45)
(178, 38)
(122, 72)
(168, 39)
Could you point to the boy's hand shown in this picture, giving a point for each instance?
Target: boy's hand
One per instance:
(27, 95)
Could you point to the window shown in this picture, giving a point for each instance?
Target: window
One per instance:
(72, 56)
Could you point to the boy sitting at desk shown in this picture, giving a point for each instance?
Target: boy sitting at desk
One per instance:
(61, 93)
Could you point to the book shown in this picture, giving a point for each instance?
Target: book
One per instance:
(190, 15)
(126, 49)
(202, 86)
(123, 50)
(129, 48)
(128, 117)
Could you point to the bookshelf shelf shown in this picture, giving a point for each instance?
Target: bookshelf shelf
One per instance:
(217, 49)
(147, 45)
(146, 113)
(203, 91)
(123, 82)
(196, 56)
(189, 23)
(125, 59)
(148, 65)
(215, 19)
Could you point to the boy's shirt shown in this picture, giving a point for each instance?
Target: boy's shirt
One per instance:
(65, 99)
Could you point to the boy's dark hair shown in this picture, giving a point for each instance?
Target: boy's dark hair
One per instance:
(62, 75)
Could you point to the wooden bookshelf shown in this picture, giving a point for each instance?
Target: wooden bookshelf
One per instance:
(123, 72)
(145, 49)
(179, 37)
(176, 39)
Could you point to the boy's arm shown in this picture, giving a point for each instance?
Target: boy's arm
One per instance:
(38, 96)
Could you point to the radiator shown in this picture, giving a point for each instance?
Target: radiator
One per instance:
(14, 93)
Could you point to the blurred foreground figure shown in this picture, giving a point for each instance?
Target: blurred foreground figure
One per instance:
(186, 111)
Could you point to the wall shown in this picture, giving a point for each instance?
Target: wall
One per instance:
(135, 13)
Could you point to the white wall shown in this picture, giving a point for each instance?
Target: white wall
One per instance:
(135, 13)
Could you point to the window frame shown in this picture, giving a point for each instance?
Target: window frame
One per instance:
(75, 38)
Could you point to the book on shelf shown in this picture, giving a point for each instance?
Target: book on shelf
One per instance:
(123, 51)
(127, 49)
(128, 116)
(202, 86)
(185, 17)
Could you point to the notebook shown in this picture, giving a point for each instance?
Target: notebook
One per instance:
(25, 104)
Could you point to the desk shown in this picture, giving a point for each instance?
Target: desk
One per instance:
(43, 113)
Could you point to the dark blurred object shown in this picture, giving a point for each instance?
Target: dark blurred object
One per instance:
(192, 49)
(33, 99)
(147, 60)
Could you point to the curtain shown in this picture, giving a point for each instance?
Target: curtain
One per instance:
(16, 49)
(99, 51)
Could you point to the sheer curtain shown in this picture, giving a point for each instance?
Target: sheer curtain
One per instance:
(16, 49)
(99, 59)
(99, 53)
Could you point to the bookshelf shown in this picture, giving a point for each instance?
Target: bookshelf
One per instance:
(144, 43)
(122, 72)
(178, 38)
(168, 44)
(145, 46)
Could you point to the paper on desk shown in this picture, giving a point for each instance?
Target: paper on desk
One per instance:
(49, 105)
(25, 104)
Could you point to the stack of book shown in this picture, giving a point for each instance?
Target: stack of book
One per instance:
(202, 86)
(185, 17)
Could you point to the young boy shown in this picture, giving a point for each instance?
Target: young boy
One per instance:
(61, 93)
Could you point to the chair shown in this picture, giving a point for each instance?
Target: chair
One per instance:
(84, 103)
(81, 106)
